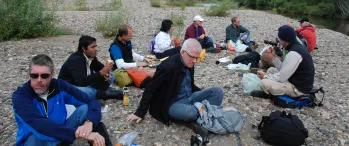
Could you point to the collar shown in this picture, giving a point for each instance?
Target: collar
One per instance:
(183, 67)
(88, 60)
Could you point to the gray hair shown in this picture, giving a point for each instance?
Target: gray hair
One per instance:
(41, 60)
(191, 44)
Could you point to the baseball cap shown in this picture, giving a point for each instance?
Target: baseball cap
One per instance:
(304, 20)
(198, 18)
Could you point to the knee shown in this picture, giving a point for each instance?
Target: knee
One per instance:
(82, 110)
(191, 115)
(218, 91)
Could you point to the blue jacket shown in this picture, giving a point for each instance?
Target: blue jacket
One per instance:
(32, 118)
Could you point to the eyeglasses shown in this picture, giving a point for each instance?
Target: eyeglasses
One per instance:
(192, 57)
(43, 76)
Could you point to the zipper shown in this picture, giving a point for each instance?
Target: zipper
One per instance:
(45, 107)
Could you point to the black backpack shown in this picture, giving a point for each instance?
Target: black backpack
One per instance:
(251, 57)
(282, 129)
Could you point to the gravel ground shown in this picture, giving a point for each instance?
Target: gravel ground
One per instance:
(327, 125)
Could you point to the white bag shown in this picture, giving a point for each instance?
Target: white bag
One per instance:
(250, 82)
(240, 47)
(239, 66)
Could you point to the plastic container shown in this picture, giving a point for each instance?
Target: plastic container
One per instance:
(127, 139)
(126, 98)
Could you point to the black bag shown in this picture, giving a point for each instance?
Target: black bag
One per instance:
(282, 129)
(300, 101)
(251, 57)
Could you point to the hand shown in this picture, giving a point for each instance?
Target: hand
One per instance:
(149, 61)
(132, 118)
(83, 131)
(268, 55)
(260, 74)
(243, 37)
(141, 64)
(202, 36)
(173, 38)
(106, 69)
(107, 77)
(96, 138)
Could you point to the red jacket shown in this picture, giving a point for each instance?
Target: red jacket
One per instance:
(191, 32)
(309, 34)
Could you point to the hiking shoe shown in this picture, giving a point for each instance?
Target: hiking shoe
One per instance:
(212, 50)
(260, 94)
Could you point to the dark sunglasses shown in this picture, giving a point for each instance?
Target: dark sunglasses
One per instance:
(43, 76)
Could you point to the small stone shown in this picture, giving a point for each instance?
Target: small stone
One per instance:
(157, 144)
(323, 130)
(175, 137)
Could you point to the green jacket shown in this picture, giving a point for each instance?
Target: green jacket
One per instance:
(233, 34)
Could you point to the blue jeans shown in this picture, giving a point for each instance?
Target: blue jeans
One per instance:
(185, 110)
(207, 42)
(75, 120)
(248, 38)
(91, 91)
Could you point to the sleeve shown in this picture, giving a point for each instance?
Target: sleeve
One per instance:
(289, 66)
(30, 118)
(228, 35)
(74, 96)
(115, 51)
(277, 63)
(188, 34)
(120, 63)
(243, 30)
(162, 42)
(137, 57)
(77, 68)
(96, 65)
(150, 90)
(298, 30)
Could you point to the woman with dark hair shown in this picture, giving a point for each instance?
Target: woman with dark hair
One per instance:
(163, 47)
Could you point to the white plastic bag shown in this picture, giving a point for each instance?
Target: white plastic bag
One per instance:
(266, 47)
(239, 66)
(127, 139)
(240, 47)
(250, 82)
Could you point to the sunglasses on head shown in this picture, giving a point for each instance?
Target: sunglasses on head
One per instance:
(43, 76)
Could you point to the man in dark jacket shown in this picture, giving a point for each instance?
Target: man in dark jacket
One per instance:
(83, 70)
(171, 93)
(196, 31)
(295, 75)
(40, 112)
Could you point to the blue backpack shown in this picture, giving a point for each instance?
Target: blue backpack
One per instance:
(300, 101)
(151, 45)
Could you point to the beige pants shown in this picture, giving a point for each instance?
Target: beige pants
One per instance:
(278, 88)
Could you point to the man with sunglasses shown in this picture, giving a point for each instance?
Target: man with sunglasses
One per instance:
(87, 73)
(171, 93)
(40, 112)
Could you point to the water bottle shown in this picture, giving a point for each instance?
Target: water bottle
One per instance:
(125, 91)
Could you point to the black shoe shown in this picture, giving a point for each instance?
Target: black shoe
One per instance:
(260, 94)
(200, 131)
(212, 50)
(113, 94)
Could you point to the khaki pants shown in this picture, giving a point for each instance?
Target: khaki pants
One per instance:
(278, 88)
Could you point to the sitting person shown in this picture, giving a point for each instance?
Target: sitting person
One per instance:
(235, 32)
(171, 93)
(40, 112)
(292, 77)
(83, 70)
(123, 55)
(196, 31)
(162, 47)
(307, 31)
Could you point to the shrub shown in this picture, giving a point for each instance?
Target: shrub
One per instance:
(109, 24)
(25, 19)
(220, 10)
(114, 5)
(155, 3)
(178, 23)
(183, 2)
(81, 5)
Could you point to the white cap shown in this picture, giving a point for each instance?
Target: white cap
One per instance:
(198, 18)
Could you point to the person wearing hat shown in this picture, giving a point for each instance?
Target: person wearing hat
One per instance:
(236, 32)
(292, 77)
(196, 31)
(308, 32)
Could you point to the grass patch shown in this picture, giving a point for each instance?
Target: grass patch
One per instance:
(155, 3)
(220, 10)
(25, 19)
(109, 24)
(178, 23)
(114, 5)
(182, 2)
(81, 5)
